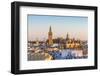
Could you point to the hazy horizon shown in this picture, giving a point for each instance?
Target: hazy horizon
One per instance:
(38, 27)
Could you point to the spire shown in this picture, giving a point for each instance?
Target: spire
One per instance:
(50, 30)
(50, 40)
(67, 36)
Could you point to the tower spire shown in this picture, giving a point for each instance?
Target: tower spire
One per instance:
(67, 36)
(50, 30)
(50, 40)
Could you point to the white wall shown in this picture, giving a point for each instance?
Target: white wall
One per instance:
(5, 41)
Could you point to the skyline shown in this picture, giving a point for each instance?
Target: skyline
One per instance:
(38, 26)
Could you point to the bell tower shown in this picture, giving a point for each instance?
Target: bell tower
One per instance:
(50, 40)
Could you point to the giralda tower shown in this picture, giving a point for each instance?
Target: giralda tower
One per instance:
(50, 40)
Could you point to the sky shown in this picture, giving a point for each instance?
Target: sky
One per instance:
(75, 26)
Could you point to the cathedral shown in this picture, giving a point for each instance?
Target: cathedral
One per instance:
(66, 43)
